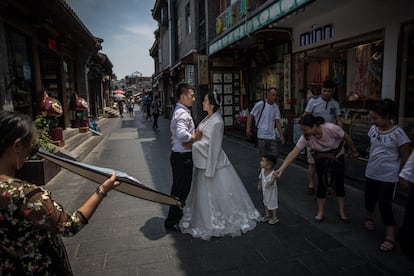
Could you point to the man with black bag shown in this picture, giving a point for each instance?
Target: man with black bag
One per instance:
(266, 116)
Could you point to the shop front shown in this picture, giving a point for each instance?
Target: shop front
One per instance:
(243, 74)
(46, 49)
(359, 55)
(355, 65)
(250, 55)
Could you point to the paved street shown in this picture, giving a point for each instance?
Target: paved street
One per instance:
(126, 235)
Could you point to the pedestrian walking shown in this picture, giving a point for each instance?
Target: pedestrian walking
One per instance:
(326, 142)
(148, 107)
(155, 111)
(389, 150)
(121, 108)
(143, 106)
(130, 107)
(266, 115)
(268, 186)
(218, 204)
(182, 130)
(325, 106)
(31, 221)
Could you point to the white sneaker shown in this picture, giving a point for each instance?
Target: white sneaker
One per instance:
(273, 221)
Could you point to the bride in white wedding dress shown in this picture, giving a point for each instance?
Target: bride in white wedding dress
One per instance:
(218, 204)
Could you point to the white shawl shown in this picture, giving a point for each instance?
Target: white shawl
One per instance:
(207, 152)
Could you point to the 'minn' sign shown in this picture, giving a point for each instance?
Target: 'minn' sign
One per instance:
(316, 35)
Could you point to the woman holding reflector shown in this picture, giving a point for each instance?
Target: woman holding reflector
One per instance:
(31, 222)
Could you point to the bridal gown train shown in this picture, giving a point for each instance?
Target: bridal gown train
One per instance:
(218, 204)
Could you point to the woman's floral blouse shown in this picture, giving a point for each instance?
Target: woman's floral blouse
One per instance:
(30, 225)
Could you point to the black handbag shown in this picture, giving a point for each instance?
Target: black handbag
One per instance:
(255, 128)
(254, 135)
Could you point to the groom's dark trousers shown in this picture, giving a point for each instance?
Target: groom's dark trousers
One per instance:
(182, 171)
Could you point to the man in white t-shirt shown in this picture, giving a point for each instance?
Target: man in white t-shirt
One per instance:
(326, 107)
(267, 116)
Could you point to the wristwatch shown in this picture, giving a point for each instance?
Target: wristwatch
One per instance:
(100, 191)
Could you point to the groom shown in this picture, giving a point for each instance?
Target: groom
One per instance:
(182, 131)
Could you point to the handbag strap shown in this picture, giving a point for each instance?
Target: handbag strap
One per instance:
(264, 104)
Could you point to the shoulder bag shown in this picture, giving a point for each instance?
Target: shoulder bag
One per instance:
(255, 126)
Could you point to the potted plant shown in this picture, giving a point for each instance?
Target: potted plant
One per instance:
(37, 170)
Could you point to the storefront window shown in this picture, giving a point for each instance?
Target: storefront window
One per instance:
(364, 71)
(355, 65)
(20, 68)
(317, 69)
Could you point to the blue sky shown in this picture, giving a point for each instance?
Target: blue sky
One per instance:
(127, 28)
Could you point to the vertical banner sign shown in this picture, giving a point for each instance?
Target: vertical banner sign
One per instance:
(287, 101)
(202, 70)
(189, 73)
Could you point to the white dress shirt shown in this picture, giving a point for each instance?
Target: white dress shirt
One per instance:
(181, 127)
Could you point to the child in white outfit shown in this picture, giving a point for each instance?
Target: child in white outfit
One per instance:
(268, 186)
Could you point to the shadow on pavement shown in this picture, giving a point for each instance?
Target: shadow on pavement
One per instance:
(148, 228)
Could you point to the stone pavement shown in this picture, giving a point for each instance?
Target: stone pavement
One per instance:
(126, 235)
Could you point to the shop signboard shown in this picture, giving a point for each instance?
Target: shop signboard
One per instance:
(189, 73)
(275, 11)
(316, 34)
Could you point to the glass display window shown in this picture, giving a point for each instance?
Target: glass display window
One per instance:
(20, 68)
(355, 66)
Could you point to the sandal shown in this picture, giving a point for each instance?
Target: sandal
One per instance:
(273, 221)
(264, 219)
(344, 219)
(387, 246)
(319, 219)
(369, 224)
